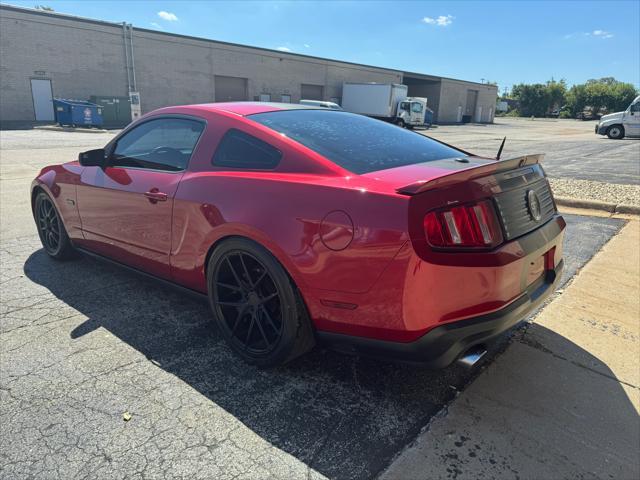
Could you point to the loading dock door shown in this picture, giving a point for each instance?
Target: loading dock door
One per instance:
(472, 100)
(42, 100)
(311, 92)
(230, 89)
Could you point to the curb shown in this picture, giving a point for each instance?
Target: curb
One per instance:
(598, 205)
(55, 128)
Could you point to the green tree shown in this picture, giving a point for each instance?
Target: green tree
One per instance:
(623, 95)
(596, 94)
(556, 94)
(533, 99)
(608, 94)
(605, 80)
(576, 99)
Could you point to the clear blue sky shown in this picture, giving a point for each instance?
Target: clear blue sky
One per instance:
(505, 41)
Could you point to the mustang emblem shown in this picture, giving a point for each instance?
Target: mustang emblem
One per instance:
(533, 204)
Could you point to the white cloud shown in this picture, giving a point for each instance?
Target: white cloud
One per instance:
(595, 33)
(168, 16)
(156, 25)
(602, 34)
(306, 45)
(440, 21)
(283, 49)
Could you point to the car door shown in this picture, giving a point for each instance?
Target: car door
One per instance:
(632, 120)
(126, 207)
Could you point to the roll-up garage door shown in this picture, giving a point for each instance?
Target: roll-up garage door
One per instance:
(230, 89)
(311, 92)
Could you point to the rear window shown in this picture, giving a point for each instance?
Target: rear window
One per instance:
(357, 143)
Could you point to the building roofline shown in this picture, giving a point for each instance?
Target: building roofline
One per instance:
(33, 11)
(67, 16)
(426, 76)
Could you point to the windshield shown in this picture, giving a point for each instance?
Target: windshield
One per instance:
(357, 143)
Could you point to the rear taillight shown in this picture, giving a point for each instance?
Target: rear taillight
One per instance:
(465, 226)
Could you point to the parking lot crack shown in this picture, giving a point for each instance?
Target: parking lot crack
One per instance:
(538, 346)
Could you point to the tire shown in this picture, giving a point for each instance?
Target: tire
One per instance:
(256, 306)
(615, 132)
(51, 231)
(400, 123)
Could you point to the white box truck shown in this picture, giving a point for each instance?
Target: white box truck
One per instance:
(386, 101)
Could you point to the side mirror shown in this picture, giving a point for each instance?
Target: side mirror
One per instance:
(93, 158)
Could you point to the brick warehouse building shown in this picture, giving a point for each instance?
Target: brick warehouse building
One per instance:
(46, 55)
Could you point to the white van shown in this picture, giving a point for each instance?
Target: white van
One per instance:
(321, 104)
(621, 124)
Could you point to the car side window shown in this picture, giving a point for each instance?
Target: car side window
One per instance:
(162, 144)
(241, 150)
(404, 106)
(635, 107)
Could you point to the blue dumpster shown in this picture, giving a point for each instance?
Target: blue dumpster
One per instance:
(77, 113)
(428, 117)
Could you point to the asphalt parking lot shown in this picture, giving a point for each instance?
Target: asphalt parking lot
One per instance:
(572, 149)
(83, 343)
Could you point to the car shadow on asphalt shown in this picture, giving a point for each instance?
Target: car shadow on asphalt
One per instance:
(345, 417)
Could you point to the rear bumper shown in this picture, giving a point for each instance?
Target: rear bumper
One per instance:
(442, 345)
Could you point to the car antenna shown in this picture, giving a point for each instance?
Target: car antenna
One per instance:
(500, 149)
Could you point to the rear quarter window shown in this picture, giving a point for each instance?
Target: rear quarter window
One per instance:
(356, 143)
(238, 149)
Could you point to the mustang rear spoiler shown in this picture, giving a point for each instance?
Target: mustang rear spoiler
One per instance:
(470, 173)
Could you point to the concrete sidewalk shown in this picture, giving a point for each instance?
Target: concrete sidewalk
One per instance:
(563, 400)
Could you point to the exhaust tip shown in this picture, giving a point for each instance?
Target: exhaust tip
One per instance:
(471, 357)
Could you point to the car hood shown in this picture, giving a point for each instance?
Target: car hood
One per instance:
(611, 116)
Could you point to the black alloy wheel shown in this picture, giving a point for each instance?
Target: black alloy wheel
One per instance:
(48, 225)
(249, 302)
(51, 229)
(255, 305)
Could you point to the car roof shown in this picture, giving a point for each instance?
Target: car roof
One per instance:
(248, 108)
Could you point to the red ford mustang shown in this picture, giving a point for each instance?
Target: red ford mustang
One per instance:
(305, 225)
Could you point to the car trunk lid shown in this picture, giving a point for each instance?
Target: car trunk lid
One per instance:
(516, 188)
(418, 178)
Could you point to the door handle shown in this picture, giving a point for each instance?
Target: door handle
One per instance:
(155, 196)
